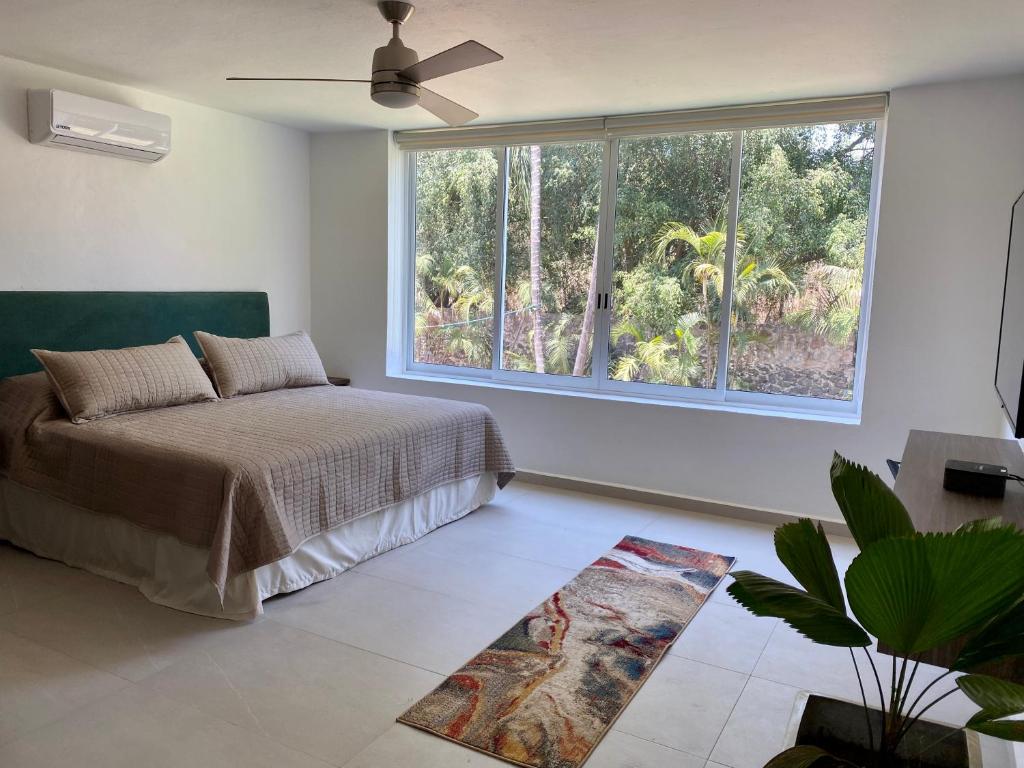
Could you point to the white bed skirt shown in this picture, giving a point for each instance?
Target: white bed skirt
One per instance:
(174, 574)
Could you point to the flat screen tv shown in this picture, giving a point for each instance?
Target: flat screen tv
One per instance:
(1010, 359)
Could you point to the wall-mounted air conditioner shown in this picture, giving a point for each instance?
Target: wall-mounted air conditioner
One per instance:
(70, 121)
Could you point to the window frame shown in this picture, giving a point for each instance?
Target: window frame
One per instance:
(735, 120)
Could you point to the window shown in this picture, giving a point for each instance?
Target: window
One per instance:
(456, 232)
(671, 231)
(729, 264)
(554, 193)
(799, 274)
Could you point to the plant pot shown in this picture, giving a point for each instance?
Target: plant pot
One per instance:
(840, 728)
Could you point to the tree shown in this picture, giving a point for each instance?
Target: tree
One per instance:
(535, 292)
(703, 258)
(586, 332)
(706, 267)
(674, 360)
(455, 230)
(803, 207)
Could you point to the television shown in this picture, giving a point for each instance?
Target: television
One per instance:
(1010, 357)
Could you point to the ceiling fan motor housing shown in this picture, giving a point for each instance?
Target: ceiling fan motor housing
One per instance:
(386, 88)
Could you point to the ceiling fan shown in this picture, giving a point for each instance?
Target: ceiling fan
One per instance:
(398, 73)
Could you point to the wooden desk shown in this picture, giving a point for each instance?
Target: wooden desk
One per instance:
(932, 508)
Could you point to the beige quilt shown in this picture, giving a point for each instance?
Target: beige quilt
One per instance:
(250, 478)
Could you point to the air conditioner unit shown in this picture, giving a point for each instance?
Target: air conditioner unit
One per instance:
(70, 121)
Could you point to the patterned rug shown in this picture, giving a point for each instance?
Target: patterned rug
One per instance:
(546, 692)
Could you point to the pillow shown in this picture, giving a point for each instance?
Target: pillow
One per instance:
(104, 382)
(244, 366)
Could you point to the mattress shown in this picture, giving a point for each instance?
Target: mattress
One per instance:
(172, 573)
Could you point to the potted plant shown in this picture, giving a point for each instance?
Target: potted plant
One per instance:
(914, 592)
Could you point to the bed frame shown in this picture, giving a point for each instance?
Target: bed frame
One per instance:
(83, 320)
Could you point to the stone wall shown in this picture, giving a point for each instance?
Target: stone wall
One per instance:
(791, 361)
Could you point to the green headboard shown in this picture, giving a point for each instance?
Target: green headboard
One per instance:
(78, 320)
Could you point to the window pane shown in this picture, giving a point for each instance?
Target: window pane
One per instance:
(554, 196)
(804, 196)
(456, 212)
(670, 234)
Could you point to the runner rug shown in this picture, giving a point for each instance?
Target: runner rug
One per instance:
(545, 693)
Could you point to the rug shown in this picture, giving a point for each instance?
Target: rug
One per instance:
(546, 692)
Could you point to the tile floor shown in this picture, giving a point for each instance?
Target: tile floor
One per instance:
(93, 675)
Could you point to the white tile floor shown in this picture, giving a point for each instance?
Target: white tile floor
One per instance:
(93, 675)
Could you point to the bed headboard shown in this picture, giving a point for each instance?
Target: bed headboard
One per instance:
(79, 320)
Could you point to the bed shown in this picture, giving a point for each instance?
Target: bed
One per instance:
(214, 507)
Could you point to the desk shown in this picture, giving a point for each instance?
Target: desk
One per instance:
(932, 508)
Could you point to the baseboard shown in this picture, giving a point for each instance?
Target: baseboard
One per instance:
(673, 501)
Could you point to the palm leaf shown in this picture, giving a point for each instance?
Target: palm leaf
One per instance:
(871, 510)
(813, 618)
(998, 699)
(626, 368)
(803, 756)
(985, 524)
(1008, 730)
(805, 551)
(919, 592)
(1002, 638)
(670, 233)
(625, 328)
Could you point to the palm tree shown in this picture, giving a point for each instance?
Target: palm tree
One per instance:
(704, 264)
(660, 360)
(450, 282)
(456, 304)
(535, 288)
(829, 301)
(558, 344)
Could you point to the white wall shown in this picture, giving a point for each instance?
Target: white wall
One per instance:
(954, 164)
(228, 209)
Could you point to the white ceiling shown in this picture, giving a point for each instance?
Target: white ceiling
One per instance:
(563, 58)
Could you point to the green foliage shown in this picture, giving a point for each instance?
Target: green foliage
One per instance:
(799, 255)
(871, 510)
(1001, 638)
(455, 231)
(649, 299)
(998, 700)
(813, 618)
(805, 551)
(804, 756)
(662, 360)
(919, 592)
(913, 591)
(456, 197)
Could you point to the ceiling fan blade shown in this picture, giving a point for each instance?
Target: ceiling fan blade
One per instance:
(446, 109)
(464, 56)
(300, 79)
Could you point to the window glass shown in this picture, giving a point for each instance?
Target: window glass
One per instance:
(671, 230)
(554, 196)
(456, 235)
(514, 230)
(799, 269)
